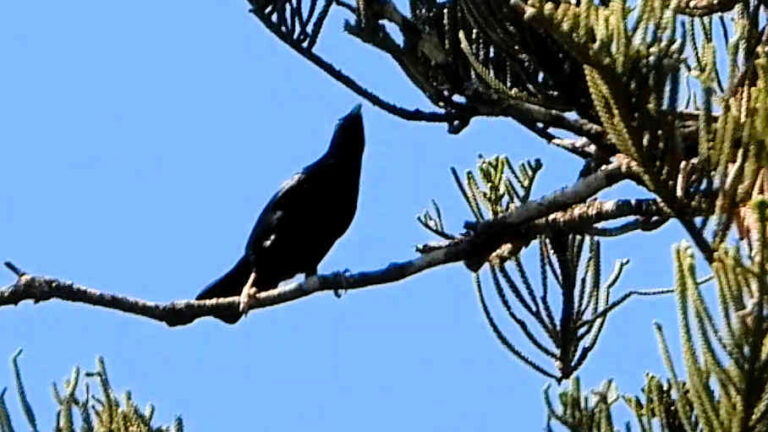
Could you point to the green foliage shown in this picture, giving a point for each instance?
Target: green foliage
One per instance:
(656, 409)
(633, 61)
(725, 387)
(676, 86)
(634, 58)
(676, 91)
(503, 189)
(569, 335)
(569, 262)
(581, 412)
(79, 410)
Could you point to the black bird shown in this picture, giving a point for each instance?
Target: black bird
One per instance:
(301, 222)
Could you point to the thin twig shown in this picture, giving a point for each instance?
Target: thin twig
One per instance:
(642, 224)
(15, 270)
(649, 292)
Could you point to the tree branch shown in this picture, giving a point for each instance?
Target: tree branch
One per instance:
(183, 312)
(523, 112)
(347, 81)
(522, 225)
(580, 191)
(641, 224)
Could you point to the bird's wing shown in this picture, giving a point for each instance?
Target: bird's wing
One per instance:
(292, 193)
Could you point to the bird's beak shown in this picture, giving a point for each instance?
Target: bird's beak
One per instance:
(356, 110)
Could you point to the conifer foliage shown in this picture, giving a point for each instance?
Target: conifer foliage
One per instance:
(671, 95)
(80, 410)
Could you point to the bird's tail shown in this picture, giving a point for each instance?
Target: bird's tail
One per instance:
(229, 285)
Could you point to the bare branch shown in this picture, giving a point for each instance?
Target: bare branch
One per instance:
(642, 224)
(702, 8)
(581, 147)
(15, 270)
(183, 312)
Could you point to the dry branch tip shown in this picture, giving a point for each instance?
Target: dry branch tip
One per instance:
(14, 269)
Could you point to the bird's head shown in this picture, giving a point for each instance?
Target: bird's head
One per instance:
(349, 137)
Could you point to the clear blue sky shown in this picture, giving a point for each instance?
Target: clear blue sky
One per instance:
(139, 142)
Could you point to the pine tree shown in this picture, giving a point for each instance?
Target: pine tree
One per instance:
(670, 95)
(78, 409)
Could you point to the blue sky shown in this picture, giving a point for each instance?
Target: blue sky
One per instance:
(139, 142)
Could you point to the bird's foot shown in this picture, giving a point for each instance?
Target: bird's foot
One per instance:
(248, 295)
(247, 300)
(342, 281)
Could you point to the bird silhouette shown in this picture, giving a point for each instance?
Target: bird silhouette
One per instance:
(301, 222)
